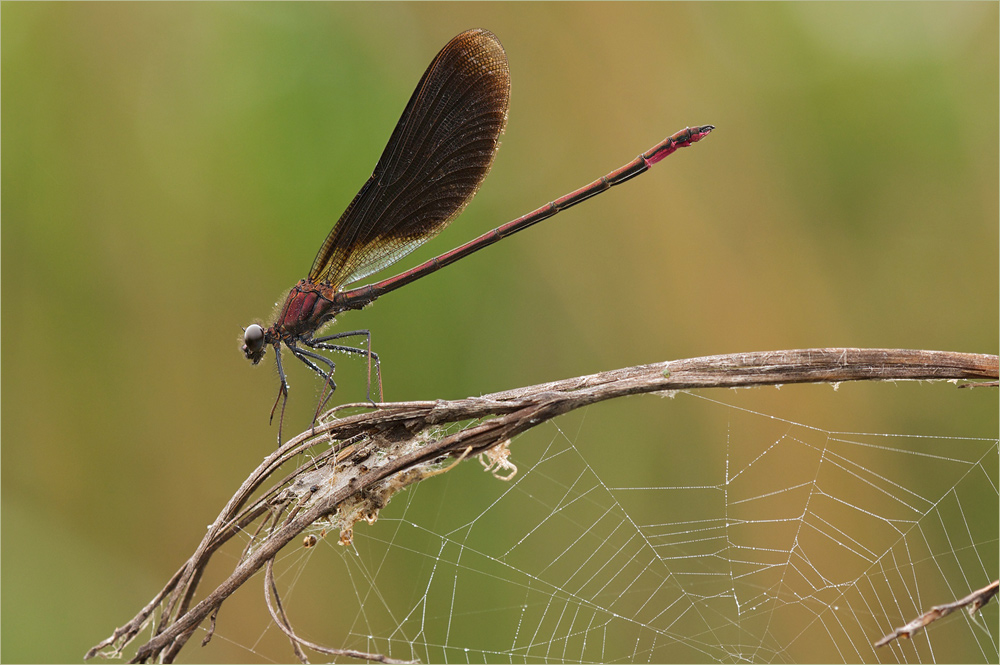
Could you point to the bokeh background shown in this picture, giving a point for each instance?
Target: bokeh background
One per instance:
(169, 171)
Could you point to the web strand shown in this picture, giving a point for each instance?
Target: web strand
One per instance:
(801, 544)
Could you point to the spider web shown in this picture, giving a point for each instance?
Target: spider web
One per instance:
(782, 542)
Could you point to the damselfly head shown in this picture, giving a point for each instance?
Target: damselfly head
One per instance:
(253, 343)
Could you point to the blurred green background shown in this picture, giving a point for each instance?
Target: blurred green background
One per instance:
(169, 171)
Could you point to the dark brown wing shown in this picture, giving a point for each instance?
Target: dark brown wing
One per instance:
(438, 155)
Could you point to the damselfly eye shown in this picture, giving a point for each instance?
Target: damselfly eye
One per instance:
(253, 343)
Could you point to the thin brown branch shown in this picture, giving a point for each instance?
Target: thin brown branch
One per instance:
(277, 611)
(374, 454)
(974, 601)
(278, 615)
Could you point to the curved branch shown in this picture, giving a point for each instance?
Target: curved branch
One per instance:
(374, 454)
(278, 615)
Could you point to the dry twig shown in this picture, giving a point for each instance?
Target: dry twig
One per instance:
(364, 459)
(974, 601)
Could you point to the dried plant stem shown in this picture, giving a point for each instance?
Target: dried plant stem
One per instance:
(973, 603)
(407, 429)
(278, 614)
